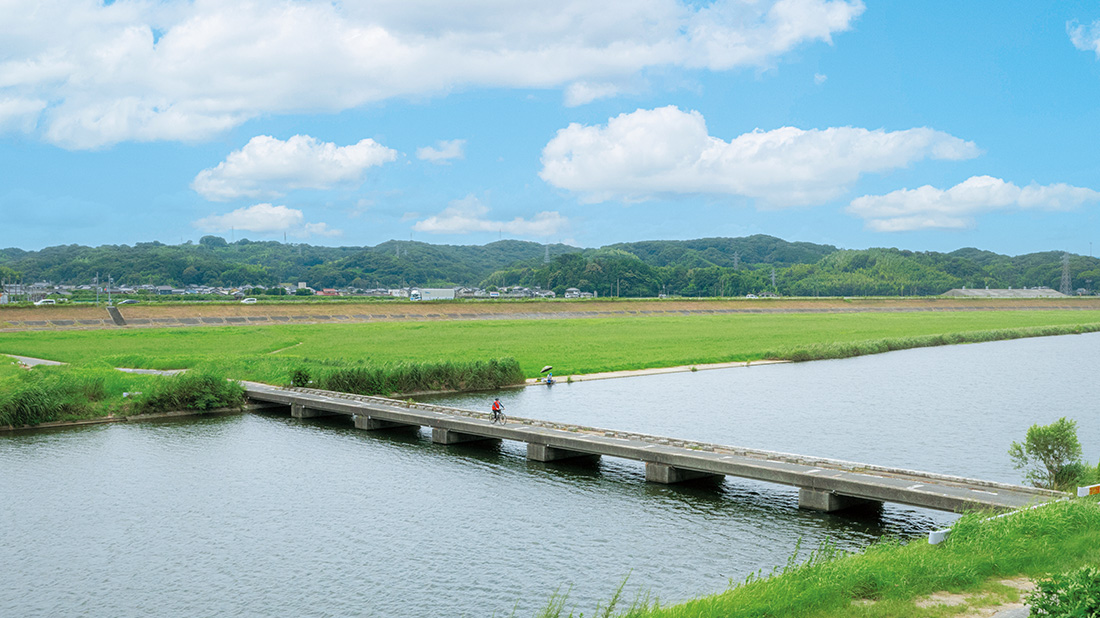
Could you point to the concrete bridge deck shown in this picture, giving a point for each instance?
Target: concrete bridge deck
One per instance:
(824, 484)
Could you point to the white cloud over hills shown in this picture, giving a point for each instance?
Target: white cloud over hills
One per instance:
(468, 215)
(668, 151)
(265, 219)
(930, 208)
(89, 74)
(269, 167)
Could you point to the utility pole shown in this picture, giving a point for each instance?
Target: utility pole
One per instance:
(110, 280)
(97, 289)
(1066, 282)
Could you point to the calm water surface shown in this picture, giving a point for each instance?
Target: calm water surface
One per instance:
(264, 515)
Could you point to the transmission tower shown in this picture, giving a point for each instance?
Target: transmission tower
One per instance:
(737, 260)
(1065, 275)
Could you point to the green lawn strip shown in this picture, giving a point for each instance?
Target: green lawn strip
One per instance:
(573, 346)
(888, 577)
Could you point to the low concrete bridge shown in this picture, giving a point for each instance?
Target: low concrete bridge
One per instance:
(824, 484)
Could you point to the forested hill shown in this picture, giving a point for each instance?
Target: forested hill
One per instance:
(703, 267)
(215, 262)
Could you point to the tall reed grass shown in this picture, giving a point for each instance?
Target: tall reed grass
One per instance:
(49, 394)
(421, 377)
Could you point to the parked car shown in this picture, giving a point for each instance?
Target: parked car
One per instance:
(248, 301)
(129, 301)
(45, 301)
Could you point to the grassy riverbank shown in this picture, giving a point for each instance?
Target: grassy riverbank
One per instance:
(894, 579)
(573, 346)
(50, 394)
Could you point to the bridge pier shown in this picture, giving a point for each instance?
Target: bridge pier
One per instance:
(373, 424)
(666, 474)
(298, 410)
(827, 501)
(449, 436)
(542, 452)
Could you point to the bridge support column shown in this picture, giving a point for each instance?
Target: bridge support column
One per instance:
(827, 501)
(542, 452)
(664, 473)
(447, 436)
(298, 410)
(373, 424)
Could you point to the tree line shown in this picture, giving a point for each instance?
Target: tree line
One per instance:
(757, 264)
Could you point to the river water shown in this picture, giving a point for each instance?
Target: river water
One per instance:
(260, 514)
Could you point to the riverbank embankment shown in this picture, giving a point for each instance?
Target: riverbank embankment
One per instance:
(169, 315)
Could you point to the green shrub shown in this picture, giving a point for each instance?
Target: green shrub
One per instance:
(1050, 455)
(191, 391)
(299, 378)
(1071, 595)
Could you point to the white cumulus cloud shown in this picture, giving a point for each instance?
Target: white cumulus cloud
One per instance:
(468, 215)
(666, 150)
(265, 219)
(188, 69)
(443, 152)
(267, 166)
(930, 208)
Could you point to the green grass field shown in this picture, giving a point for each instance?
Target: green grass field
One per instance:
(572, 346)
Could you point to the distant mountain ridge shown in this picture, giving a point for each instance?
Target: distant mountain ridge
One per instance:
(700, 267)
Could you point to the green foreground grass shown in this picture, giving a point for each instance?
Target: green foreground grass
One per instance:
(889, 577)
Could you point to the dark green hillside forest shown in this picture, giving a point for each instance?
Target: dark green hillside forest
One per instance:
(704, 267)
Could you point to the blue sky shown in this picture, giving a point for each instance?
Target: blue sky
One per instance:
(918, 125)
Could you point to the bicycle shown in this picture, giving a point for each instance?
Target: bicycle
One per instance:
(498, 417)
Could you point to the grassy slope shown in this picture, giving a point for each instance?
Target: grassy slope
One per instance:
(572, 346)
(887, 578)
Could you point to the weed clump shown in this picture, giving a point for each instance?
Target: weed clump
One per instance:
(200, 392)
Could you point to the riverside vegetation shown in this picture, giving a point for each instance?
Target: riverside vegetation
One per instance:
(70, 393)
(48, 394)
(891, 577)
(404, 357)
